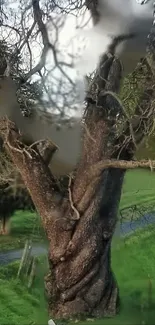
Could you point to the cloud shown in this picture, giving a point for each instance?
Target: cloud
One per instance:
(83, 46)
(117, 17)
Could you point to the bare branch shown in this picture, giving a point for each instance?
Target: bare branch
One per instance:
(46, 46)
(95, 170)
(27, 36)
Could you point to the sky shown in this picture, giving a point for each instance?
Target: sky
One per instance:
(70, 46)
(73, 41)
(78, 41)
(86, 44)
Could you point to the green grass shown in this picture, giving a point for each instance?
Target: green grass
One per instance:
(24, 225)
(133, 260)
(138, 188)
(18, 305)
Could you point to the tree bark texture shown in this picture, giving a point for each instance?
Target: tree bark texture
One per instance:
(80, 224)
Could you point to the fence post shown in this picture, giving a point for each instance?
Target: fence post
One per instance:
(32, 273)
(26, 254)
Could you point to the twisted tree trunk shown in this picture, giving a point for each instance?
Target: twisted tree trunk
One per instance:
(80, 224)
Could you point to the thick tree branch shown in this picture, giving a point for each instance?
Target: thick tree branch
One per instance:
(100, 119)
(47, 149)
(97, 169)
(92, 6)
(35, 172)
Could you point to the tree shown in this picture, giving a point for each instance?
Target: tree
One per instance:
(80, 221)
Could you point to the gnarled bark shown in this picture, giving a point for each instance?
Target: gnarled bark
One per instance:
(80, 226)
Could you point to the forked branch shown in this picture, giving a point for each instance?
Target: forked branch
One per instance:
(34, 170)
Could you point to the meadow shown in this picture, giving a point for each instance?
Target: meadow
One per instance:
(138, 188)
(133, 260)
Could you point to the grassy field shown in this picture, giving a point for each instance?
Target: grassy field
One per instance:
(138, 188)
(133, 262)
(18, 305)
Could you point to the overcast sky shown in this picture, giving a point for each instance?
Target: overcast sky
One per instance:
(74, 33)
